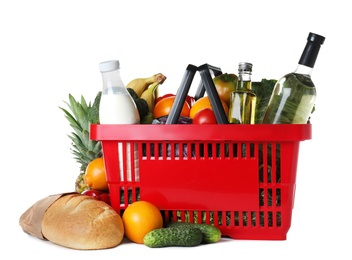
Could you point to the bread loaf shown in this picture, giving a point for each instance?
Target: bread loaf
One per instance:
(82, 222)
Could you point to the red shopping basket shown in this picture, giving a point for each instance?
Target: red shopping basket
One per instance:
(240, 178)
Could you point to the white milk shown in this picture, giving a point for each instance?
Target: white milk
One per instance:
(121, 109)
(118, 109)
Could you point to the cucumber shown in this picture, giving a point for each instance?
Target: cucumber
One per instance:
(173, 236)
(211, 234)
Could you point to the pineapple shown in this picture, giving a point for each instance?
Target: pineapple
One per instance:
(83, 148)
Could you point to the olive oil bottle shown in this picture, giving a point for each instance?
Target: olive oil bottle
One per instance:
(293, 97)
(243, 99)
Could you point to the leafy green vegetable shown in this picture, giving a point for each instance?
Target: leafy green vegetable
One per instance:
(263, 90)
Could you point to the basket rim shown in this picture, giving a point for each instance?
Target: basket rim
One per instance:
(194, 132)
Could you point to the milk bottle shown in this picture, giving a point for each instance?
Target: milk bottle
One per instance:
(118, 107)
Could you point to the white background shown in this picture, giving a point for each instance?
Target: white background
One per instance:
(49, 49)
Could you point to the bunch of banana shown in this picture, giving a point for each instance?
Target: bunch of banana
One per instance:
(149, 95)
(139, 85)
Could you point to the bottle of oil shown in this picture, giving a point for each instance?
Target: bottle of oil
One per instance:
(243, 99)
(293, 97)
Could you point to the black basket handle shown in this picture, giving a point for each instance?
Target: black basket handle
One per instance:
(201, 89)
(206, 84)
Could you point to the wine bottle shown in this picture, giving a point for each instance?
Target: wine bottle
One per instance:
(294, 95)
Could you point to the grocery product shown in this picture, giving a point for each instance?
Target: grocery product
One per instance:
(75, 221)
(294, 95)
(211, 234)
(243, 99)
(118, 107)
(139, 85)
(80, 115)
(173, 236)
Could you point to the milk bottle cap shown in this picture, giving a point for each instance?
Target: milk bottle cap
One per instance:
(109, 65)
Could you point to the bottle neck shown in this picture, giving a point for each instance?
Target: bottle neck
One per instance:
(244, 81)
(308, 58)
(304, 70)
(112, 79)
(310, 54)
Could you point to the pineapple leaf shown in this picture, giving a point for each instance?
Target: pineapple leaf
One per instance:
(94, 111)
(82, 115)
(82, 118)
(79, 113)
(84, 104)
(77, 140)
(73, 122)
(97, 148)
(85, 139)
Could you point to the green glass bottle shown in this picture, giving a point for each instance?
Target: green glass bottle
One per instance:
(294, 95)
(243, 99)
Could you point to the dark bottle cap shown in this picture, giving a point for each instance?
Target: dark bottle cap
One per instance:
(311, 51)
(313, 37)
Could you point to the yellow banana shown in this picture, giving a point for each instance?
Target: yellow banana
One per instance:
(139, 85)
(149, 95)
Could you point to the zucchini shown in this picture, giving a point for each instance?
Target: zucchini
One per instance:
(211, 234)
(173, 236)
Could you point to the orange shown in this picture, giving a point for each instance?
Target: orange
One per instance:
(163, 107)
(139, 218)
(204, 102)
(95, 175)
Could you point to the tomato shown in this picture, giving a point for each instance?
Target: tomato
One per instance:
(225, 84)
(189, 99)
(163, 107)
(98, 195)
(164, 96)
(205, 116)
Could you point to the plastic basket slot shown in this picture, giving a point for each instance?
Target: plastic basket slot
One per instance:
(179, 150)
(122, 169)
(121, 158)
(226, 219)
(127, 195)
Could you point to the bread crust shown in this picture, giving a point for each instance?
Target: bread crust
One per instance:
(81, 222)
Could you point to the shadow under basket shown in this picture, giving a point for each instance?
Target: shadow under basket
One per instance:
(239, 178)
